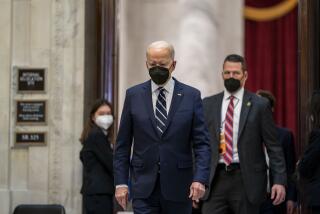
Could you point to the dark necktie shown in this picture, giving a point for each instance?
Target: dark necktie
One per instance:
(228, 129)
(161, 111)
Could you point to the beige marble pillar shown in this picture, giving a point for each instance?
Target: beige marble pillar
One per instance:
(49, 34)
(203, 32)
(209, 30)
(5, 61)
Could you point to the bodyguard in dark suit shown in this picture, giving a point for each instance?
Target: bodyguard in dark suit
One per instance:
(239, 122)
(162, 120)
(97, 159)
(285, 138)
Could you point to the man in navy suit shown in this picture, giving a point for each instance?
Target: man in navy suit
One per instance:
(162, 129)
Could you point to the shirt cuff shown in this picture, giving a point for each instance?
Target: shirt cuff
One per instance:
(121, 185)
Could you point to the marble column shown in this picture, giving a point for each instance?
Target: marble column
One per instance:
(5, 59)
(49, 34)
(202, 32)
(209, 30)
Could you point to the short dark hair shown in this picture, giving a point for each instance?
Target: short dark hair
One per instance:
(236, 58)
(268, 95)
(315, 108)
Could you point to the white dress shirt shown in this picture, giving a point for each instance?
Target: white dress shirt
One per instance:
(237, 102)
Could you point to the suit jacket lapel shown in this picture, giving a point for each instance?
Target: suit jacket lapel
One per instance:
(245, 108)
(217, 114)
(175, 102)
(147, 97)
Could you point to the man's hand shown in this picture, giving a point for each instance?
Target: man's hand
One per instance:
(122, 196)
(278, 194)
(290, 207)
(197, 191)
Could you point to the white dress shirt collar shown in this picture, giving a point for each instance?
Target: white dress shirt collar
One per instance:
(238, 94)
(168, 86)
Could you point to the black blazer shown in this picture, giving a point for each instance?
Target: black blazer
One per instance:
(286, 139)
(309, 169)
(97, 159)
(256, 127)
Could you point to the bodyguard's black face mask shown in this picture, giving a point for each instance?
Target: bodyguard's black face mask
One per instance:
(159, 75)
(232, 84)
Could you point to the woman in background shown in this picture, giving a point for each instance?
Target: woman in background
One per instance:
(97, 159)
(309, 165)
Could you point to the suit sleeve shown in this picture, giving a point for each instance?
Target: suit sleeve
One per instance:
(274, 148)
(201, 146)
(96, 148)
(290, 158)
(121, 161)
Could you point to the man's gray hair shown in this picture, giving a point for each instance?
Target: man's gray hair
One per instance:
(162, 44)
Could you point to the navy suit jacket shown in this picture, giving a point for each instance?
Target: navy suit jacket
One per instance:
(170, 154)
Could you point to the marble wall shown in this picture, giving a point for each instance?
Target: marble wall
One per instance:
(202, 32)
(49, 34)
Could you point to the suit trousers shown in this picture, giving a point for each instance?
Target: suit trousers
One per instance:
(314, 210)
(98, 204)
(156, 204)
(228, 195)
(268, 208)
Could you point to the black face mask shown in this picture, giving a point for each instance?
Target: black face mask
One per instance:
(159, 75)
(232, 84)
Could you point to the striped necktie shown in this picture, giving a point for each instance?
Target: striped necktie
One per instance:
(228, 129)
(161, 111)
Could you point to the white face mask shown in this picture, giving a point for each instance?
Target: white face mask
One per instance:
(104, 121)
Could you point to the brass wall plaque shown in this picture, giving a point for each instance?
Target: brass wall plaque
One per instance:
(31, 79)
(31, 112)
(30, 138)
